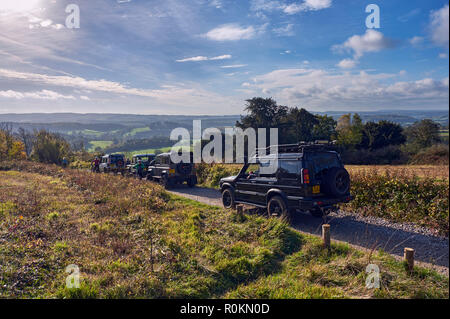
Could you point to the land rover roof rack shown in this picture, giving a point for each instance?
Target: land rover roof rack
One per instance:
(300, 147)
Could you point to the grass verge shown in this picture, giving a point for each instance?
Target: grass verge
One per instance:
(131, 239)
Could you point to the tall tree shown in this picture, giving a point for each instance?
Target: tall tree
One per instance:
(349, 131)
(423, 134)
(302, 124)
(382, 134)
(262, 113)
(27, 139)
(325, 128)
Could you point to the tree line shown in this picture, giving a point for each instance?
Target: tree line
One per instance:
(382, 142)
(40, 145)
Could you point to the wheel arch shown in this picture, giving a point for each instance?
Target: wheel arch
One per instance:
(275, 192)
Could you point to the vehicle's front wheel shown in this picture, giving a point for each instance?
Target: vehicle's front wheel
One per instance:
(276, 207)
(166, 182)
(228, 199)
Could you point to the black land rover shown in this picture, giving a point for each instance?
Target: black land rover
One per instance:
(309, 177)
(162, 169)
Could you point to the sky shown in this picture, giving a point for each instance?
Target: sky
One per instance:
(209, 56)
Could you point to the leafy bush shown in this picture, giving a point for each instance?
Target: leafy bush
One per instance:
(433, 155)
(210, 175)
(423, 201)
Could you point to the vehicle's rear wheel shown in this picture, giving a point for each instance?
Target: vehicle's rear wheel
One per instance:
(276, 207)
(228, 199)
(191, 182)
(316, 213)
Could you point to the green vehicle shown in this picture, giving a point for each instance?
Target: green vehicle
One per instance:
(163, 170)
(146, 159)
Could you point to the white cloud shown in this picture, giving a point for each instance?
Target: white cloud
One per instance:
(194, 59)
(204, 58)
(216, 3)
(233, 66)
(290, 9)
(320, 88)
(347, 64)
(307, 5)
(233, 32)
(443, 55)
(40, 95)
(371, 41)
(286, 31)
(440, 26)
(221, 57)
(177, 95)
(416, 40)
(85, 98)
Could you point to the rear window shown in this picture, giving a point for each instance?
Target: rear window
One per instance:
(320, 162)
(116, 158)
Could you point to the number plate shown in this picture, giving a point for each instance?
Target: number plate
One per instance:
(316, 189)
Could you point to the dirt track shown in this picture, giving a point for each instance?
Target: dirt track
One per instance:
(358, 231)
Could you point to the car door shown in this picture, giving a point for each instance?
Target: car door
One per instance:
(247, 186)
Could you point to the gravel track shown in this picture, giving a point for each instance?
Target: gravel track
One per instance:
(362, 232)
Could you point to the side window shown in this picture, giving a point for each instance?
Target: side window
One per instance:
(289, 169)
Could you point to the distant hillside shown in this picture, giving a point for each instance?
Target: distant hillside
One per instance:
(403, 117)
(97, 131)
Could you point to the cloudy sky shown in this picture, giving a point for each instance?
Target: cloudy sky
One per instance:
(208, 56)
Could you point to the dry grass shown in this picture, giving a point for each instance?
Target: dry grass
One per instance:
(437, 172)
(131, 239)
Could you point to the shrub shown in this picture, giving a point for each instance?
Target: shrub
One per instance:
(401, 198)
(433, 155)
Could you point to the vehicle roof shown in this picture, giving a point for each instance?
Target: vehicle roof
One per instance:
(143, 155)
(291, 155)
(107, 155)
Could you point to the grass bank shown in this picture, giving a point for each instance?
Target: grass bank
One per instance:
(131, 239)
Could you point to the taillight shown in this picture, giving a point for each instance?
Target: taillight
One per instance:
(305, 176)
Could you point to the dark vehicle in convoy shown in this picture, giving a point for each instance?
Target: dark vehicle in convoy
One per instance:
(163, 170)
(308, 177)
(146, 159)
(114, 163)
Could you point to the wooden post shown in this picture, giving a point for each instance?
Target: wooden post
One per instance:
(409, 259)
(240, 211)
(326, 235)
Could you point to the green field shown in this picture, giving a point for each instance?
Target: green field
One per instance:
(102, 144)
(135, 131)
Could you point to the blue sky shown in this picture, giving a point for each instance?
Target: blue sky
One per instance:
(208, 56)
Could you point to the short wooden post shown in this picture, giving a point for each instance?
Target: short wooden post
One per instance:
(326, 235)
(409, 259)
(240, 211)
